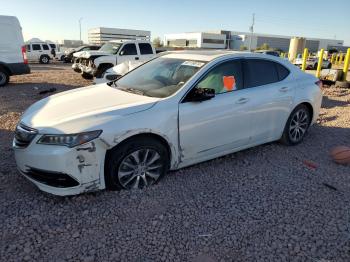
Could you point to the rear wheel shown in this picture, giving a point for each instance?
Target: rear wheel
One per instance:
(297, 125)
(101, 69)
(44, 59)
(136, 164)
(4, 77)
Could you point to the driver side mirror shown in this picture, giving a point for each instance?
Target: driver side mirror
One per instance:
(200, 94)
(122, 52)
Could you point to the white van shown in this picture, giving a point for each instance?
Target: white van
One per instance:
(13, 60)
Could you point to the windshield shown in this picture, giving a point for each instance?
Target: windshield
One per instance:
(110, 47)
(160, 77)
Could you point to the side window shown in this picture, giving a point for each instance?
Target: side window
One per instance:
(53, 46)
(145, 49)
(258, 72)
(28, 47)
(129, 49)
(282, 71)
(45, 47)
(224, 78)
(36, 47)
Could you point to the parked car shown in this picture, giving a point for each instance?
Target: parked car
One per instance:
(13, 59)
(94, 63)
(312, 62)
(39, 51)
(117, 71)
(68, 54)
(173, 111)
(268, 52)
(56, 52)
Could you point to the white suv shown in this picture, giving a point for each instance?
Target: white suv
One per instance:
(95, 63)
(39, 52)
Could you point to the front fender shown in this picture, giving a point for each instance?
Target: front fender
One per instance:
(105, 60)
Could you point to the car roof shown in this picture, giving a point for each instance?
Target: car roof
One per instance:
(202, 55)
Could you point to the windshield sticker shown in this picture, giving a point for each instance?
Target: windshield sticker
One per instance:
(193, 63)
(229, 83)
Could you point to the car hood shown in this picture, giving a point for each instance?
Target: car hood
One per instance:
(88, 54)
(83, 108)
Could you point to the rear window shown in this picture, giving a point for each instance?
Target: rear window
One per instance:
(36, 47)
(145, 49)
(45, 47)
(258, 72)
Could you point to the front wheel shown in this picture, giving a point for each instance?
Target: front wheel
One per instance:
(86, 76)
(136, 164)
(4, 77)
(297, 126)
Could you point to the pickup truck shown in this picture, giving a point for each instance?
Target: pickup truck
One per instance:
(94, 63)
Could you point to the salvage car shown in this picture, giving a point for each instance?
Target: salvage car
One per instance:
(312, 63)
(94, 63)
(171, 112)
(68, 54)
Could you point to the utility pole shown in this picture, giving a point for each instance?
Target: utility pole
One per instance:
(80, 27)
(251, 29)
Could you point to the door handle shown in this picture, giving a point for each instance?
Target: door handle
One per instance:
(284, 89)
(242, 100)
(137, 58)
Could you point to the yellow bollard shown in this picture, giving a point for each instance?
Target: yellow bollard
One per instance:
(341, 58)
(332, 58)
(346, 64)
(305, 56)
(319, 65)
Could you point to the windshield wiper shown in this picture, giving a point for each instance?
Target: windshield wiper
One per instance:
(132, 90)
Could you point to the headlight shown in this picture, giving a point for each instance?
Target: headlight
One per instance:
(70, 140)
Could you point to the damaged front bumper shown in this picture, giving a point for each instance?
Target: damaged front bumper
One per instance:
(60, 170)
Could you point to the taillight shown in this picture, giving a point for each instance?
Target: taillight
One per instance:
(24, 54)
(319, 83)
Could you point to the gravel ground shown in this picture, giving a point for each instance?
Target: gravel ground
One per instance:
(269, 203)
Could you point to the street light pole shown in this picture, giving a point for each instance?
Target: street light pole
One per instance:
(251, 29)
(80, 27)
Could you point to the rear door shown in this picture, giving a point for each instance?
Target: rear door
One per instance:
(128, 53)
(273, 89)
(35, 53)
(146, 51)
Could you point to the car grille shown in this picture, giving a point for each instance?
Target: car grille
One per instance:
(24, 135)
(84, 61)
(51, 178)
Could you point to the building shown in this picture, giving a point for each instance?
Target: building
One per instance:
(101, 35)
(196, 40)
(235, 40)
(71, 43)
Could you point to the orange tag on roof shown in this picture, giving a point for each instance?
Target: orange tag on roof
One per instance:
(229, 82)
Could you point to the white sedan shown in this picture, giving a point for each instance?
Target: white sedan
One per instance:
(173, 111)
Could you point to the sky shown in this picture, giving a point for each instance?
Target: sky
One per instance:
(57, 20)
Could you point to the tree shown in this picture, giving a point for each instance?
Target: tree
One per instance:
(264, 46)
(243, 48)
(157, 42)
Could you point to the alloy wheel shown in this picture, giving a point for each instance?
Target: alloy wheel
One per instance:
(140, 169)
(298, 125)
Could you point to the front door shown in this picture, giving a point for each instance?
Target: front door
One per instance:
(221, 124)
(128, 53)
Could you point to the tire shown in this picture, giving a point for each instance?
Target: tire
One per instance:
(86, 76)
(44, 59)
(62, 58)
(4, 77)
(101, 69)
(290, 137)
(329, 66)
(121, 163)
